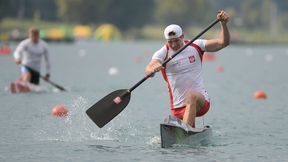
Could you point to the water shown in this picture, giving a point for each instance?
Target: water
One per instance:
(244, 129)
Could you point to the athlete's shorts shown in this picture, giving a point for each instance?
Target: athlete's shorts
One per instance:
(35, 77)
(179, 112)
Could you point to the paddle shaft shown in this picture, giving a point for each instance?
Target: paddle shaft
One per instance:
(175, 54)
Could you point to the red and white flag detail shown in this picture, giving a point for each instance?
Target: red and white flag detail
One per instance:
(191, 59)
(117, 100)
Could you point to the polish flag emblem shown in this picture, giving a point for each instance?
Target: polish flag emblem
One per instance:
(191, 59)
(117, 100)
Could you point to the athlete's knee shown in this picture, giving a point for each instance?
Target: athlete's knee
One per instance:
(26, 77)
(191, 98)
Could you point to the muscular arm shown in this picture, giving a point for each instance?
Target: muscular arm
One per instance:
(223, 40)
(18, 53)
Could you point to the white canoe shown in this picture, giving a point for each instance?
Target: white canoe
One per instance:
(174, 131)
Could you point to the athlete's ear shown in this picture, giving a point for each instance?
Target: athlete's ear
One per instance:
(182, 36)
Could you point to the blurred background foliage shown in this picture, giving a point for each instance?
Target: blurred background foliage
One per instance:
(252, 21)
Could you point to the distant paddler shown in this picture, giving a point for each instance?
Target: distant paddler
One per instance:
(29, 54)
(183, 74)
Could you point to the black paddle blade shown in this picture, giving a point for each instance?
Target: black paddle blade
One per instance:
(108, 107)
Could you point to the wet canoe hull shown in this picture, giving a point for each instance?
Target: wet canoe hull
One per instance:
(171, 135)
(174, 131)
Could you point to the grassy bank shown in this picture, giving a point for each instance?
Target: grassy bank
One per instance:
(154, 32)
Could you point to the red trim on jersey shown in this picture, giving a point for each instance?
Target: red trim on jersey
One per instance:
(167, 48)
(163, 71)
(179, 112)
(200, 51)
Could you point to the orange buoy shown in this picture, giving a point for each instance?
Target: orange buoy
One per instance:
(260, 95)
(59, 111)
(138, 59)
(208, 57)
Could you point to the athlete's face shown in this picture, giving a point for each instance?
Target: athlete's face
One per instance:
(34, 35)
(175, 43)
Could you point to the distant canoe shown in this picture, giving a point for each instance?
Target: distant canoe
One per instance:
(24, 87)
(5, 51)
(174, 131)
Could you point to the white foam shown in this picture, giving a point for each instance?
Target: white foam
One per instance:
(82, 52)
(268, 57)
(249, 52)
(156, 140)
(113, 71)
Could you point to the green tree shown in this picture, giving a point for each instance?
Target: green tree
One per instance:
(127, 13)
(250, 13)
(124, 13)
(2, 9)
(28, 9)
(82, 11)
(183, 12)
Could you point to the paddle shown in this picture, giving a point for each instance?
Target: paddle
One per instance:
(49, 81)
(111, 105)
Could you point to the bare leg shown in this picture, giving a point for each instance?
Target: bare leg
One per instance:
(194, 102)
(26, 77)
(20, 85)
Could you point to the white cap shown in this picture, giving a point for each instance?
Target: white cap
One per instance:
(168, 32)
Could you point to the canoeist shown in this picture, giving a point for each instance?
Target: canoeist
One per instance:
(29, 54)
(183, 74)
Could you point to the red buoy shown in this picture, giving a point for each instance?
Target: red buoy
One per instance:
(208, 57)
(5, 51)
(260, 95)
(59, 111)
(219, 69)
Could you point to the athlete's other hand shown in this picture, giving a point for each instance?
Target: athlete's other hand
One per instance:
(222, 16)
(18, 61)
(157, 67)
(47, 77)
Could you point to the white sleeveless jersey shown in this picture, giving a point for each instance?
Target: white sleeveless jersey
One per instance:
(184, 72)
(31, 54)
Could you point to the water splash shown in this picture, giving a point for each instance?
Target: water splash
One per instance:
(78, 127)
(74, 127)
(155, 140)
